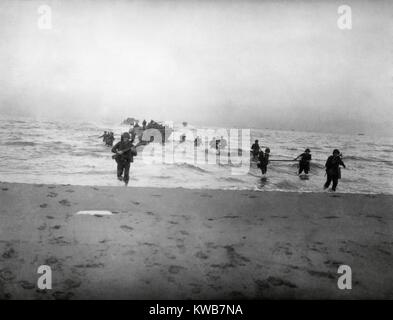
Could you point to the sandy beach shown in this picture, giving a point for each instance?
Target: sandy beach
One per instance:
(192, 244)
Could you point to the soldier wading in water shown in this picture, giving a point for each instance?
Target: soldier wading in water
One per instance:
(125, 153)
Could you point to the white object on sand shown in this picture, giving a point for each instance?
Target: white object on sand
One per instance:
(96, 212)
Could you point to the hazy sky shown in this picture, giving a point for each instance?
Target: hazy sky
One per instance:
(226, 63)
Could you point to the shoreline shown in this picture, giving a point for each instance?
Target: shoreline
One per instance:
(322, 191)
(176, 243)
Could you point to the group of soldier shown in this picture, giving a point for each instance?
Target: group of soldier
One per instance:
(332, 165)
(108, 138)
(125, 151)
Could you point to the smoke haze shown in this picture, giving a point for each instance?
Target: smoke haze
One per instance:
(280, 65)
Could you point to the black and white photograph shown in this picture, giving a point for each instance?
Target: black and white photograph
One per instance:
(196, 150)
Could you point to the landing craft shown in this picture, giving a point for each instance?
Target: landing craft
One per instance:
(164, 130)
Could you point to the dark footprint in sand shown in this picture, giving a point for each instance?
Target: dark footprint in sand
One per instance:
(149, 244)
(42, 227)
(126, 228)
(8, 254)
(170, 256)
(331, 263)
(136, 203)
(385, 252)
(252, 197)
(51, 261)
(90, 265)
(4, 189)
(51, 187)
(280, 282)
(275, 282)
(184, 233)
(52, 194)
(26, 285)
(173, 222)
(72, 284)
(373, 216)
(56, 227)
(201, 255)
(211, 245)
(175, 269)
(6, 296)
(331, 217)
(49, 217)
(59, 241)
(59, 295)
(150, 213)
(236, 295)
(196, 290)
(65, 202)
(44, 205)
(6, 274)
(320, 274)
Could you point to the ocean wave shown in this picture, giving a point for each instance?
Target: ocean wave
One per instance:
(162, 177)
(90, 154)
(360, 158)
(91, 172)
(72, 151)
(185, 165)
(229, 165)
(252, 174)
(287, 185)
(20, 143)
(230, 179)
(317, 165)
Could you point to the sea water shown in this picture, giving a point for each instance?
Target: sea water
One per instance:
(56, 152)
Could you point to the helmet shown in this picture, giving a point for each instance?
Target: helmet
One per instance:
(126, 135)
(307, 150)
(267, 150)
(336, 151)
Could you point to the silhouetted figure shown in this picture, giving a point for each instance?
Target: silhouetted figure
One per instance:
(255, 149)
(103, 136)
(263, 158)
(223, 143)
(197, 141)
(125, 153)
(109, 139)
(304, 163)
(333, 170)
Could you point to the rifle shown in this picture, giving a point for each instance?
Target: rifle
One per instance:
(125, 150)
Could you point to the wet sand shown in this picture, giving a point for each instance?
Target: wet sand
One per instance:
(193, 244)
